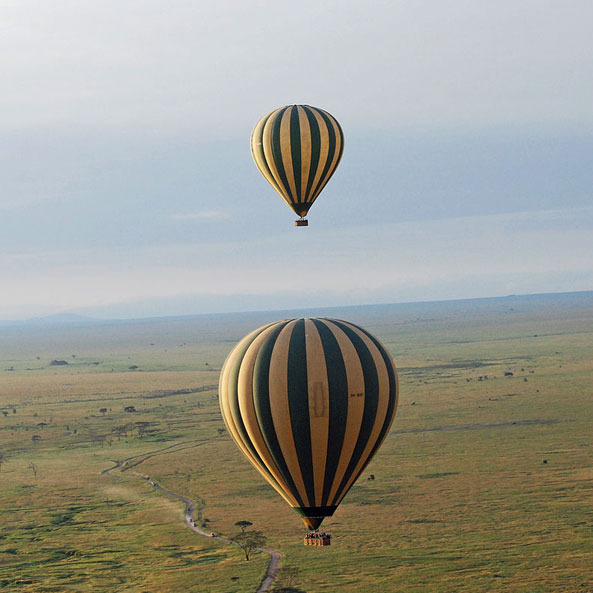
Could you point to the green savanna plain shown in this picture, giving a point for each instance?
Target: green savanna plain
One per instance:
(484, 484)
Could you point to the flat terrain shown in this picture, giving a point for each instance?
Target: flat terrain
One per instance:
(485, 483)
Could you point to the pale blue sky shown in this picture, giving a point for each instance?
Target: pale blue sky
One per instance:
(128, 187)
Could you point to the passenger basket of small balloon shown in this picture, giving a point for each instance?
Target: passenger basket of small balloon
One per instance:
(318, 538)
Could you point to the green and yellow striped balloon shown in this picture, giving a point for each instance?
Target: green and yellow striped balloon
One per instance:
(297, 149)
(309, 402)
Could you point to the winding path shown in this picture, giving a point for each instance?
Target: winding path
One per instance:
(136, 460)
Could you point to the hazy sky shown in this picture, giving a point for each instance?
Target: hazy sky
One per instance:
(127, 187)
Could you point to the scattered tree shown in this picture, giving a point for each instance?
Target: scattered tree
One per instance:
(199, 508)
(286, 579)
(118, 431)
(5, 413)
(99, 439)
(141, 428)
(249, 541)
(129, 409)
(243, 525)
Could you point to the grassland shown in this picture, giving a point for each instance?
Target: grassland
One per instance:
(485, 483)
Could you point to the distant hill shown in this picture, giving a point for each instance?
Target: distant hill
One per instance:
(420, 308)
(55, 319)
(61, 318)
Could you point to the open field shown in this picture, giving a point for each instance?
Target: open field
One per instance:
(485, 483)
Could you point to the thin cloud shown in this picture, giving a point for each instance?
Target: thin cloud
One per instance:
(467, 257)
(202, 215)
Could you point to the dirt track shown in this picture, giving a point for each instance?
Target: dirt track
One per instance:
(136, 460)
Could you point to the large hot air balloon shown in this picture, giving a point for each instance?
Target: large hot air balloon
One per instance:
(309, 402)
(297, 149)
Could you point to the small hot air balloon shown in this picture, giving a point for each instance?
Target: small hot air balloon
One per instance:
(297, 149)
(309, 402)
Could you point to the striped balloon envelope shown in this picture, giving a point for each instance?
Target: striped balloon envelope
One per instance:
(297, 149)
(309, 402)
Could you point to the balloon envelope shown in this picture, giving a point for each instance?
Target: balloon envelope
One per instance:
(309, 402)
(297, 149)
